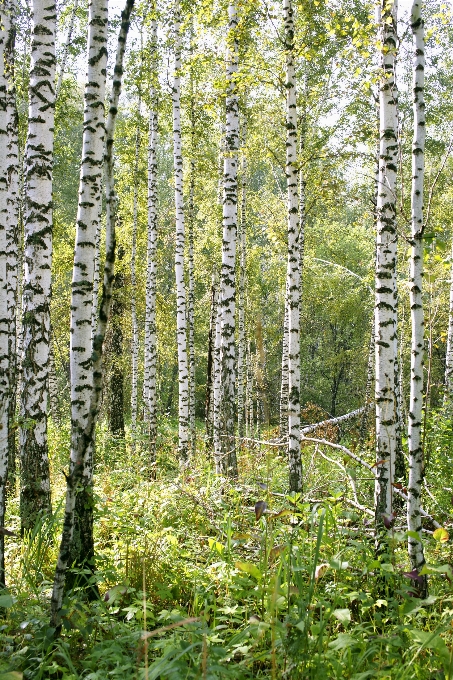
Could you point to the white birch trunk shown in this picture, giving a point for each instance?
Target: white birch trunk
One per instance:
(150, 364)
(228, 270)
(35, 482)
(135, 338)
(293, 268)
(385, 279)
(88, 215)
(209, 404)
(181, 317)
(64, 57)
(242, 241)
(5, 392)
(249, 395)
(12, 233)
(191, 306)
(414, 487)
(448, 397)
(219, 456)
(283, 426)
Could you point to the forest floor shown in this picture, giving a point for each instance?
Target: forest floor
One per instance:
(229, 580)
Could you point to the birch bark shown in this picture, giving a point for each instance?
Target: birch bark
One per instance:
(209, 403)
(35, 482)
(385, 278)
(228, 270)
(5, 391)
(415, 547)
(12, 233)
(135, 338)
(181, 317)
(283, 425)
(80, 465)
(293, 266)
(149, 387)
(242, 241)
(191, 304)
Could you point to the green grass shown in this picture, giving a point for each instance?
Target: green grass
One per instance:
(294, 594)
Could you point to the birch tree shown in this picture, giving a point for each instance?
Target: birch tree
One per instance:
(135, 338)
(38, 227)
(415, 546)
(82, 445)
(81, 336)
(242, 346)
(12, 233)
(181, 318)
(293, 265)
(448, 398)
(385, 277)
(229, 237)
(5, 391)
(149, 381)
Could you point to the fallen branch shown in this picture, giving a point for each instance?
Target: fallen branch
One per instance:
(147, 634)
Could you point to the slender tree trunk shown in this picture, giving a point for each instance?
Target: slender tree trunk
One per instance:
(209, 403)
(35, 482)
(448, 397)
(149, 386)
(415, 547)
(181, 317)
(5, 323)
(12, 233)
(135, 338)
(64, 57)
(385, 279)
(79, 465)
(191, 306)
(242, 241)
(219, 455)
(96, 271)
(284, 385)
(249, 394)
(228, 270)
(293, 270)
(116, 401)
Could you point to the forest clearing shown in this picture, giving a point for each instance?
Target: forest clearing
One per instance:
(226, 339)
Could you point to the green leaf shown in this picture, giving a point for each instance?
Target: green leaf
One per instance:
(215, 545)
(343, 641)
(413, 534)
(6, 601)
(249, 568)
(437, 569)
(343, 615)
(12, 675)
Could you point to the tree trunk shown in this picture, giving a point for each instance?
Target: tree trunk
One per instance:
(80, 473)
(116, 401)
(35, 482)
(191, 308)
(12, 233)
(242, 241)
(284, 384)
(448, 397)
(385, 279)
(293, 268)
(228, 270)
(149, 381)
(415, 547)
(181, 318)
(209, 403)
(135, 337)
(5, 310)
(64, 57)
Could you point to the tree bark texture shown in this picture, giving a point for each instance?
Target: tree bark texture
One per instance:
(293, 266)
(5, 391)
(135, 336)
(228, 270)
(242, 242)
(385, 278)
(181, 315)
(35, 481)
(414, 487)
(150, 365)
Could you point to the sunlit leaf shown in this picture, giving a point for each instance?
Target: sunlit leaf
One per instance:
(249, 568)
(321, 570)
(343, 615)
(441, 535)
(343, 641)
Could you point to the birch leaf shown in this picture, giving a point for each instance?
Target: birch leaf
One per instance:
(343, 615)
(343, 641)
(441, 535)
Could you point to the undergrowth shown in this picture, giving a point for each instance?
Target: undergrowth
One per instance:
(204, 578)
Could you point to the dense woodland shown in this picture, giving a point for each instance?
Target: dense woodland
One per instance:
(226, 339)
